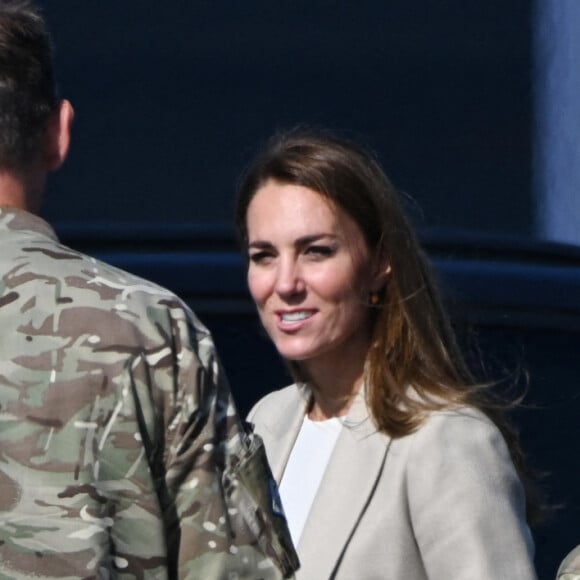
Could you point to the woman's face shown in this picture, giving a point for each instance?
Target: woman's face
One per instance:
(310, 275)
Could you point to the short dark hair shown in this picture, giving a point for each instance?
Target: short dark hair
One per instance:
(28, 92)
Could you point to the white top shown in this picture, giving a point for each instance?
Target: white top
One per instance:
(305, 468)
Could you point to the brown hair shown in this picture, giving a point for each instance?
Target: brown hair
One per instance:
(413, 343)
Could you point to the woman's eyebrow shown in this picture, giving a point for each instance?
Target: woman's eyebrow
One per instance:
(305, 240)
(260, 244)
(301, 241)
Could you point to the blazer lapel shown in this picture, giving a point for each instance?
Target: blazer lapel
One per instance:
(282, 428)
(344, 492)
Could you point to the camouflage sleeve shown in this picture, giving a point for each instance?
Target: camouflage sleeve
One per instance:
(222, 514)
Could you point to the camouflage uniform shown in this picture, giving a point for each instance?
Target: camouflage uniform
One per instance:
(121, 453)
(570, 567)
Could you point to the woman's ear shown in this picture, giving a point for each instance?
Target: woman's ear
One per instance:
(382, 271)
(58, 134)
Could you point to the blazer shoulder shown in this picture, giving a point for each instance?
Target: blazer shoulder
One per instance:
(456, 420)
(463, 428)
(461, 485)
(465, 442)
(275, 402)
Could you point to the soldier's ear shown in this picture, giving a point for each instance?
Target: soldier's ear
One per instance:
(58, 134)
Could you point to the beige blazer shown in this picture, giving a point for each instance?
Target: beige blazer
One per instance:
(443, 503)
(570, 567)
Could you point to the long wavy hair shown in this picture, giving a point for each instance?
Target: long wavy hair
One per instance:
(413, 343)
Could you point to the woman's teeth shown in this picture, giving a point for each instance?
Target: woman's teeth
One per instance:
(295, 316)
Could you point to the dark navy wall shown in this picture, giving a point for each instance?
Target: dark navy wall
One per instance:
(173, 97)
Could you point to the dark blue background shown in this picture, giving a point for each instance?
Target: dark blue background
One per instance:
(173, 98)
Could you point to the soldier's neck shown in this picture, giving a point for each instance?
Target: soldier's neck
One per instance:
(20, 192)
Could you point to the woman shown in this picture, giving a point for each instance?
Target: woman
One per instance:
(391, 461)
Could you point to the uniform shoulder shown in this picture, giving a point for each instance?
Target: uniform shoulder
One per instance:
(138, 294)
(34, 251)
(34, 258)
(103, 272)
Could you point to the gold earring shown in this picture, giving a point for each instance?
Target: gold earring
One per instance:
(375, 298)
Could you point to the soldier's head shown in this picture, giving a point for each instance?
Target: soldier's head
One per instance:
(32, 117)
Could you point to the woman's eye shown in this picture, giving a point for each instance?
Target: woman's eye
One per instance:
(320, 251)
(260, 257)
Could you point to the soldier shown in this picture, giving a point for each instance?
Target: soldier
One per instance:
(121, 453)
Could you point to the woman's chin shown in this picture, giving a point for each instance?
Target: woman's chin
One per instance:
(296, 354)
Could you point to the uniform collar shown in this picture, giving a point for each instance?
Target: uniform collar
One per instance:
(21, 220)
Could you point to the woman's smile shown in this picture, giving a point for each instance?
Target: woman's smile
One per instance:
(292, 320)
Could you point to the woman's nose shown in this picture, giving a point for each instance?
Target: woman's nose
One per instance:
(289, 280)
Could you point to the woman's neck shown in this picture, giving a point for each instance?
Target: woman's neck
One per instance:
(333, 389)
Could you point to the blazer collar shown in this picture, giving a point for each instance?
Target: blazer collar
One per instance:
(348, 482)
(283, 427)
